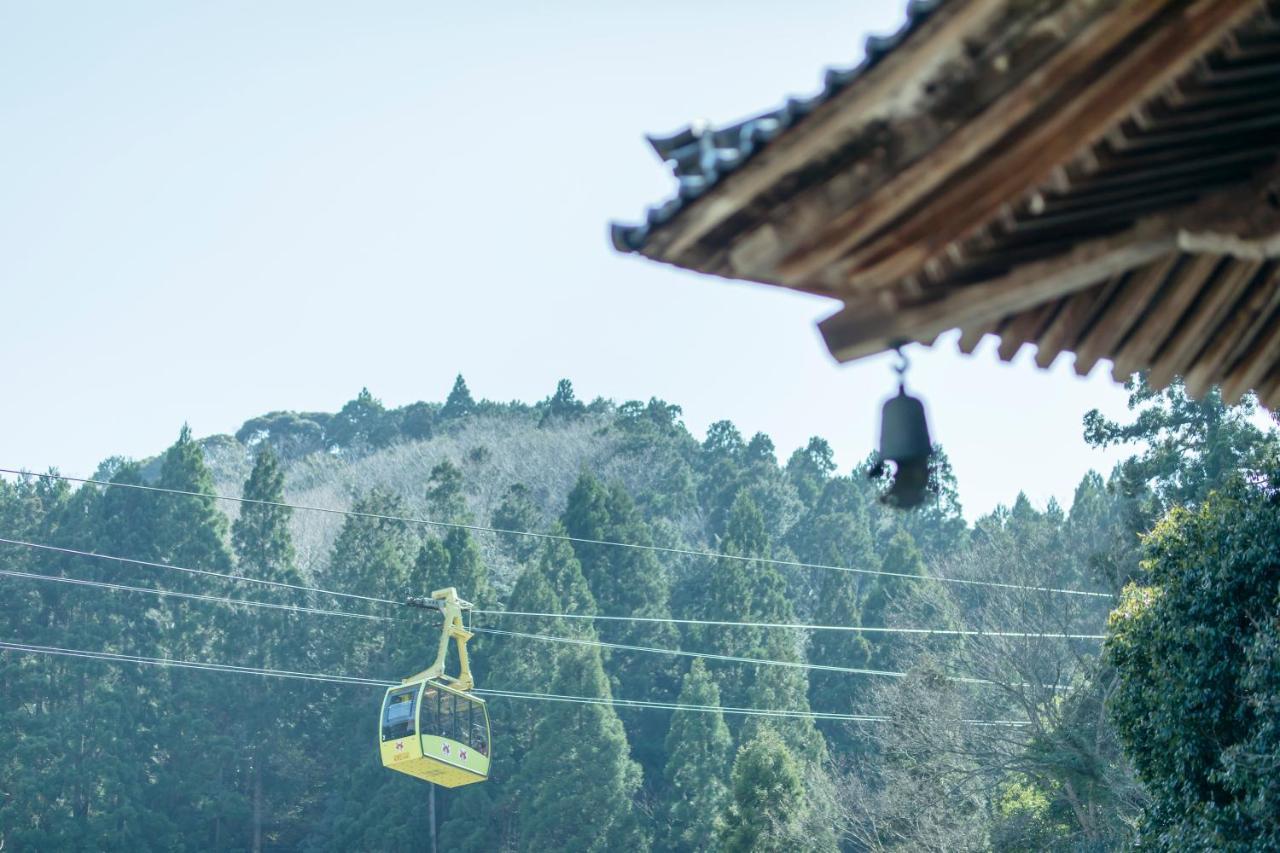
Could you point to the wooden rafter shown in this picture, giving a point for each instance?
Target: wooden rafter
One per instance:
(957, 188)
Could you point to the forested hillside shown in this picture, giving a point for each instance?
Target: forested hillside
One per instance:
(1011, 725)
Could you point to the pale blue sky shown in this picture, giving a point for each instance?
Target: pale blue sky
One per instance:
(212, 210)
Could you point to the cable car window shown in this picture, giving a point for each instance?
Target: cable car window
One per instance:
(397, 716)
(430, 714)
(444, 725)
(450, 721)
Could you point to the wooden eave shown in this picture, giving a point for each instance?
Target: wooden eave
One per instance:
(1091, 177)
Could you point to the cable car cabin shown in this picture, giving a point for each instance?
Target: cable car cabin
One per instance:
(436, 733)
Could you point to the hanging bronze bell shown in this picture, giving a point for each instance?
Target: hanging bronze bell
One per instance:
(904, 430)
(904, 441)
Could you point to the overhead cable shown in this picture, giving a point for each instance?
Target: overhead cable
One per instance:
(195, 596)
(236, 602)
(115, 657)
(188, 664)
(582, 641)
(560, 537)
(205, 572)
(941, 632)
(676, 706)
(888, 629)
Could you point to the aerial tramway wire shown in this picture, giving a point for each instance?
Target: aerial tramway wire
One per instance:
(861, 629)
(944, 632)
(116, 657)
(560, 537)
(206, 572)
(849, 670)
(580, 641)
(197, 596)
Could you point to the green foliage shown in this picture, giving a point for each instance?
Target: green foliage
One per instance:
(260, 536)
(269, 760)
(467, 571)
(698, 748)
(418, 420)
(518, 512)
(563, 406)
(768, 810)
(431, 566)
(1195, 647)
(1188, 447)
(1029, 819)
(901, 559)
(292, 435)
(362, 422)
(445, 494)
(190, 529)
(290, 765)
(626, 581)
(580, 783)
(810, 467)
(459, 403)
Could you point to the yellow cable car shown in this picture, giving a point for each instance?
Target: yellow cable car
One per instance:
(431, 726)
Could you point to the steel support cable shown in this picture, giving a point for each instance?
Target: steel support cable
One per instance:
(116, 657)
(582, 641)
(196, 596)
(675, 706)
(204, 572)
(479, 528)
(233, 602)
(941, 632)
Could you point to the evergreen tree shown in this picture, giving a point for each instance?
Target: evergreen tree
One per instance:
(517, 511)
(730, 596)
(627, 581)
(1197, 649)
(459, 403)
(362, 421)
(742, 588)
(1094, 534)
(768, 811)
(560, 566)
(480, 819)
(698, 749)
(810, 467)
(445, 495)
(431, 567)
(192, 532)
(467, 571)
(377, 557)
(591, 805)
(563, 406)
(418, 420)
(901, 558)
(838, 539)
(760, 451)
(264, 548)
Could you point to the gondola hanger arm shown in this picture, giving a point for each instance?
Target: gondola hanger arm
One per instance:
(454, 628)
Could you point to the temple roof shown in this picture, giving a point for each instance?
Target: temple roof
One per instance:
(1092, 177)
